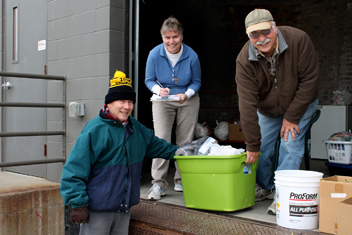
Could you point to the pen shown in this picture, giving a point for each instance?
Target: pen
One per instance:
(159, 83)
(162, 97)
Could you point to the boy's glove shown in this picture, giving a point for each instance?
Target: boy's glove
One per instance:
(80, 215)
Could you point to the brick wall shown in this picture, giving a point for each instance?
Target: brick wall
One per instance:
(328, 23)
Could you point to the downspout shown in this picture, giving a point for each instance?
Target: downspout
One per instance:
(1, 79)
(134, 48)
(130, 40)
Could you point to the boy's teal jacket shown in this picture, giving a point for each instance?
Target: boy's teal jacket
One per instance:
(103, 170)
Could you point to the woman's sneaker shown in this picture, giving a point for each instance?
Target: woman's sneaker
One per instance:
(178, 188)
(262, 194)
(272, 208)
(156, 192)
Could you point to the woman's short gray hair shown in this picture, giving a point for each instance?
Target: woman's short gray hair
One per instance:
(171, 24)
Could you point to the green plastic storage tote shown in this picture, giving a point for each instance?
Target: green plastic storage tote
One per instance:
(217, 183)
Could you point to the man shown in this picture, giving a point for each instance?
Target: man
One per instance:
(277, 74)
(101, 178)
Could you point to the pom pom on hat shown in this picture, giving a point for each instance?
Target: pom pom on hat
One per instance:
(120, 88)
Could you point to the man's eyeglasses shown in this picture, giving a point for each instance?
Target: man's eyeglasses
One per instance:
(256, 34)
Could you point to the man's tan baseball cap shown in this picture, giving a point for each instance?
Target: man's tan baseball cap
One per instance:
(258, 19)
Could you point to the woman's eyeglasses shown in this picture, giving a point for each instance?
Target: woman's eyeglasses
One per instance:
(256, 34)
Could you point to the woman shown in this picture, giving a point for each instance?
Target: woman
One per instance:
(172, 68)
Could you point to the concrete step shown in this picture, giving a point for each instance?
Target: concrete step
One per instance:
(150, 217)
(30, 205)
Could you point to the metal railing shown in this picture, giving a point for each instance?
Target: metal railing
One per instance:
(37, 105)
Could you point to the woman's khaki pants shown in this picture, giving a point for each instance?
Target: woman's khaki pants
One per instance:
(165, 113)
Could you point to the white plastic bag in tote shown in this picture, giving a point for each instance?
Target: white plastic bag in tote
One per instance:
(217, 150)
(205, 147)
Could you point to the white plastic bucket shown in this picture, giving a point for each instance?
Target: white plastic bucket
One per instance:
(297, 198)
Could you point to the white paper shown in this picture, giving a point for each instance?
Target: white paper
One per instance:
(165, 98)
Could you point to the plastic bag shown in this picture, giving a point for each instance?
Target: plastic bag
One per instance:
(341, 97)
(201, 130)
(189, 149)
(204, 148)
(341, 136)
(221, 130)
(217, 150)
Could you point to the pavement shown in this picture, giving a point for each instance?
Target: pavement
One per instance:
(258, 212)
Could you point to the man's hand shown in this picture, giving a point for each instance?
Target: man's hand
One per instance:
(287, 128)
(252, 157)
(80, 215)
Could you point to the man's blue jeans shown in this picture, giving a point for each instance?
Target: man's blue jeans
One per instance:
(290, 153)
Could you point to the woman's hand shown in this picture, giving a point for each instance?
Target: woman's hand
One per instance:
(164, 91)
(183, 98)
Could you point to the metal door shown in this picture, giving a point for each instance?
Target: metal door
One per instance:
(25, 31)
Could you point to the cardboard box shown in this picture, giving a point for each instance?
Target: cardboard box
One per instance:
(236, 133)
(345, 217)
(333, 190)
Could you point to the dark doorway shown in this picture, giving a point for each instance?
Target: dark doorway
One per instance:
(216, 32)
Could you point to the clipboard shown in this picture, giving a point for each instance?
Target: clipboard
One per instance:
(164, 98)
